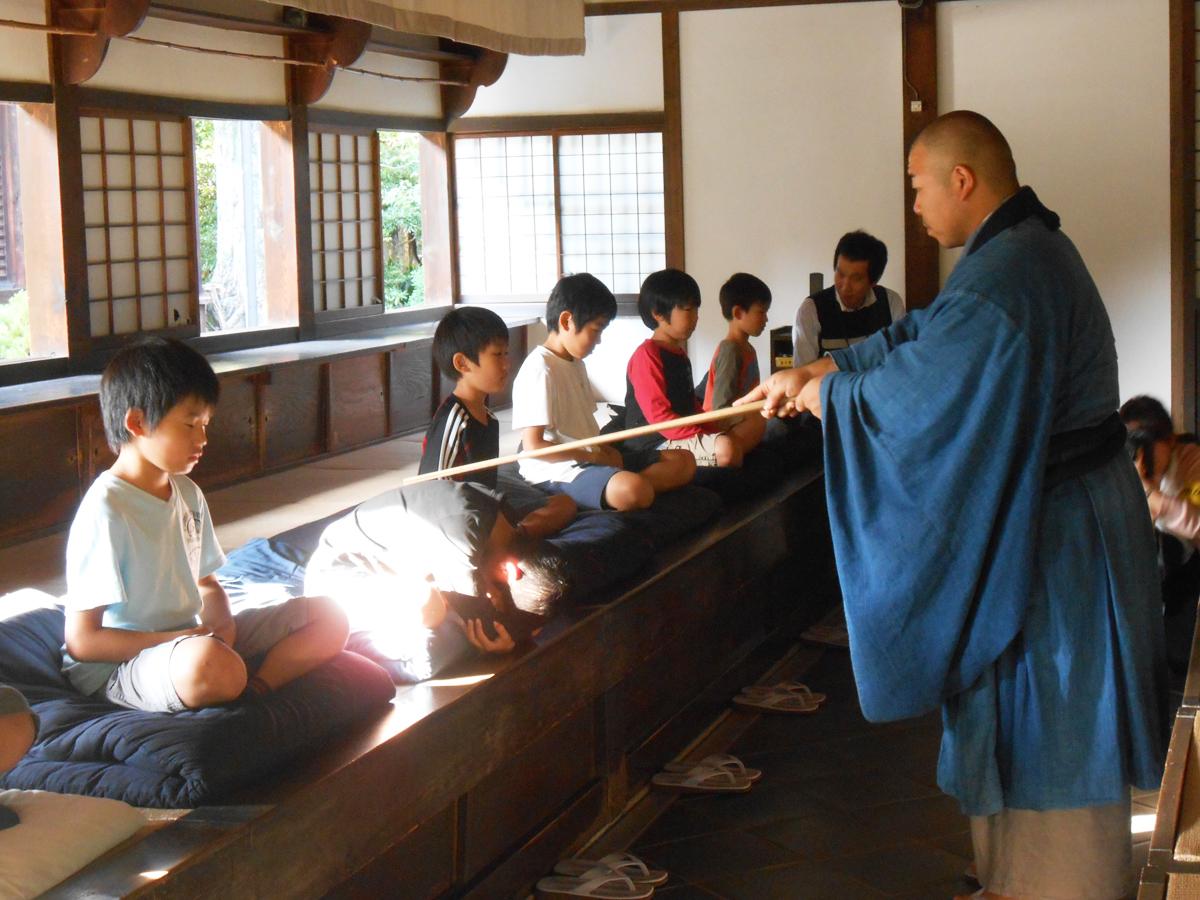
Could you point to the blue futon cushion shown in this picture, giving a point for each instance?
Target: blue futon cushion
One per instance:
(171, 760)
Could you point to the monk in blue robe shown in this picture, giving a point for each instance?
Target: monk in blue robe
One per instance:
(992, 540)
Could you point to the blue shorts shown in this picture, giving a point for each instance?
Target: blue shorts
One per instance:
(587, 487)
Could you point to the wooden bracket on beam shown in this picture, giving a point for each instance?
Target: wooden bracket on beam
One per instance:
(484, 67)
(339, 43)
(80, 56)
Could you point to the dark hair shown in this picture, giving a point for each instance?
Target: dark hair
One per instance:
(545, 578)
(584, 296)
(858, 246)
(1146, 414)
(467, 330)
(153, 375)
(744, 290)
(665, 290)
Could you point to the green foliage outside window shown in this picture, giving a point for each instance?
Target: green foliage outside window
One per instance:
(400, 200)
(14, 326)
(206, 195)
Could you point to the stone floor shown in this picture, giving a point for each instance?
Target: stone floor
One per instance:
(845, 810)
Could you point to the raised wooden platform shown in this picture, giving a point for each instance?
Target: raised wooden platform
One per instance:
(280, 407)
(475, 786)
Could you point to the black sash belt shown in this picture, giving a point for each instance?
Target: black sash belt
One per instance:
(1075, 453)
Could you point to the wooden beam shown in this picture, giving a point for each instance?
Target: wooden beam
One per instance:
(482, 69)
(672, 139)
(575, 123)
(633, 7)
(82, 55)
(1183, 215)
(920, 89)
(337, 43)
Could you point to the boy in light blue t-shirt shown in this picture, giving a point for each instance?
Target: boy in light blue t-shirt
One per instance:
(148, 624)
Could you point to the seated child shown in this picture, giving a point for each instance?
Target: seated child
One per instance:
(659, 384)
(554, 403)
(471, 349)
(18, 729)
(393, 562)
(148, 625)
(733, 372)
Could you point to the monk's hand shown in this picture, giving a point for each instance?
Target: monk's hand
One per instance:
(810, 396)
(778, 393)
(477, 635)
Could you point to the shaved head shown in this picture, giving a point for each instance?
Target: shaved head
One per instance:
(962, 170)
(965, 138)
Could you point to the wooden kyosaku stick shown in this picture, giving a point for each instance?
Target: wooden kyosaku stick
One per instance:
(715, 415)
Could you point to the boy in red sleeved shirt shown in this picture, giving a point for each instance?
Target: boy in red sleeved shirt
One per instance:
(658, 379)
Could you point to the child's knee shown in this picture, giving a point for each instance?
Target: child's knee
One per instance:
(206, 672)
(729, 452)
(682, 464)
(560, 506)
(627, 491)
(329, 622)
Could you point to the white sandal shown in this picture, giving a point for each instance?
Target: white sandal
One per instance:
(794, 688)
(702, 780)
(718, 761)
(625, 864)
(607, 885)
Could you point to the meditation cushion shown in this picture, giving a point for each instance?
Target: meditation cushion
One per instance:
(171, 760)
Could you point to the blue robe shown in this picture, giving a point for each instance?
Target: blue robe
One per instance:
(1031, 616)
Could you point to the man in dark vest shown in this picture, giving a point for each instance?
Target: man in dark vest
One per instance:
(854, 308)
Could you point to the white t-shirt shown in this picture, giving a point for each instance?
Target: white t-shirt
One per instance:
(555, 393)
(140, 557)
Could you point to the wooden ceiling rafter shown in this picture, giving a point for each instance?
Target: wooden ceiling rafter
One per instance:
(481, 68)
(94, 25)
(336, 43)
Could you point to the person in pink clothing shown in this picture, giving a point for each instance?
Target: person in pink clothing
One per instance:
(1169, 466)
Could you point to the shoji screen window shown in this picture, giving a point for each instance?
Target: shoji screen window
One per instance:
(506, 215)
(533, 207)
(344, 184)
(138, 223)
(613, 222)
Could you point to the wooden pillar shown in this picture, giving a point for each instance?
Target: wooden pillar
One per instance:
(439, 224)
(306, 312)
(672, 139)
(1183, 215)
(70, 192)
(920, 88)
(279, 198)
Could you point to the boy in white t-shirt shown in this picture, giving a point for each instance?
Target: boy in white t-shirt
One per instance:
(554, 403)
(148, 624)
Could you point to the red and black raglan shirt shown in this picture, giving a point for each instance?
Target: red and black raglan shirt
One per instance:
(658, 388)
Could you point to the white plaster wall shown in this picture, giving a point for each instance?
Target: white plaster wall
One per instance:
(148, 69)
(1081, 90)
(371, 94)
(792, 136)
(620, 72)
(24, 55)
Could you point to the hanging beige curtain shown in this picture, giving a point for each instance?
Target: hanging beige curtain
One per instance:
(528, 27)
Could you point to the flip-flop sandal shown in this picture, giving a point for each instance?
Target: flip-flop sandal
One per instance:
(718, 761)
(785, 687)
(702, 780)
(622, 863)
(608, 885)
(778, 703)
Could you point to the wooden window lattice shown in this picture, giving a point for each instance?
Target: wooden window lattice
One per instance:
(344, 196)
(532, 207)
(138, 213)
